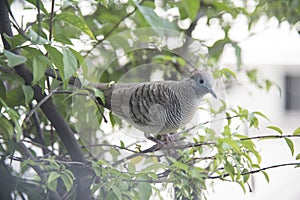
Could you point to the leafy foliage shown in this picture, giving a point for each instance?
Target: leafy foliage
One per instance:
(63, 45)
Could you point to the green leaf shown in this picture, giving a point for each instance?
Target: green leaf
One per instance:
(261, 114)
(15, 41)
(36, 38)
(290, 144)
(153, 19)
(28, 93)
(298, 157)
(39, 69)
(117, 192)
(189, 8)
(38, 6)
(53, 176)
(52, 180)
(227, 72)
(6, 128)
(70, 63)
(145, 190)
(275, 128)
(241, 183)
(14, 59)
(266, 176)
(122, 145)
(76, 21)
(238, 53)
(181, 165)
(297, 131)
(154, 166)
(232, 143)
(252, 75)
(2, 91)
(216, 50)
(229, 169)
(269, 84)
(68, 181)
(246, 176)
(100, 94)
(56, 57)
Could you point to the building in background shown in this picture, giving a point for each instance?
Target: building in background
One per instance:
(276, 53)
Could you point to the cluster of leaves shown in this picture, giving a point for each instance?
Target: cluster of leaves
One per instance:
(50, 43)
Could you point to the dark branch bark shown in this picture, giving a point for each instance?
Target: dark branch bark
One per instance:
(51, 112)
(64, 131)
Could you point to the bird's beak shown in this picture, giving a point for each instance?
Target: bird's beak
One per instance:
(213, 93)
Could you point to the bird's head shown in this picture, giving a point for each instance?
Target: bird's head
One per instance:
(202, 82)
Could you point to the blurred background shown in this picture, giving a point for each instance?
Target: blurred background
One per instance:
(259, 40)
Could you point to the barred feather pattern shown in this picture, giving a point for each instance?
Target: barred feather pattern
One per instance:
(156, 108)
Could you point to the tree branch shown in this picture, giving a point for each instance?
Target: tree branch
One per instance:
(63, 130)
(257, 170)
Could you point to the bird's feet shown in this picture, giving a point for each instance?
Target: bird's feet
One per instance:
(162, 139)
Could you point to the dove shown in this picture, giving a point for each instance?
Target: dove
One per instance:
(160, 107)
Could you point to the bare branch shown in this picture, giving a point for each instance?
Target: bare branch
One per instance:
(257, 170)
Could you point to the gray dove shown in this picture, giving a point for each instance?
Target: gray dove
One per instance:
(157, 108)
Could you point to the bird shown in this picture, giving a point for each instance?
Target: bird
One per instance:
(158, 108)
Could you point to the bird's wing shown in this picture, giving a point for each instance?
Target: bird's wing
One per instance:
(146, 104)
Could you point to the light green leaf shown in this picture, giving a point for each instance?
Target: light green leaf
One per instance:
(40, 6)
(154, 166)
(290, 144)
(229, 169)
(246, 176)
(57, 58)
(233, 144)
(39, 69)
(153, 19)
(189, 8)
(297, 131)
(238, 53)
(145, 190)
(70, 63)
(117, 192)
(100, 94)
(36, 38)
(68, 181)
(52, 180)
(15, 41)
(76, 21)
(266, 176)
(131, 167)
(275, 128)
(6, 128)
(14, 59)
(227, 72)
(261, 114)
(53, 176)
(181, 165)
(241, 183)
(298, 157)
(28, 93)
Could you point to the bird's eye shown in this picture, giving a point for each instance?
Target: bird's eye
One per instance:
(201, 81)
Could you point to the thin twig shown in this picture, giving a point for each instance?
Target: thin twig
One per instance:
(269, 137)
(39, 104)
(109, 145)
(51, 20)
(112, 29)
(257, 170)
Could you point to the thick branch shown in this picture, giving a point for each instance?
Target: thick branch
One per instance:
(62, 128)
(51, 112)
